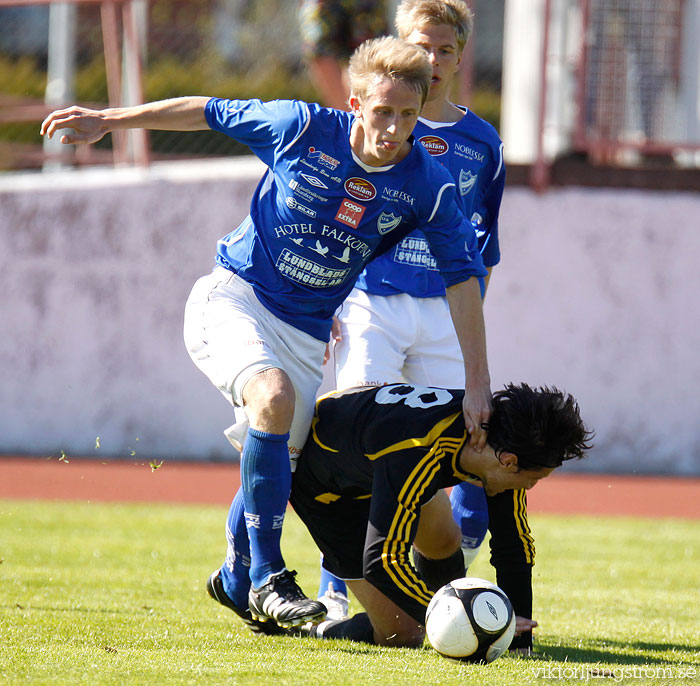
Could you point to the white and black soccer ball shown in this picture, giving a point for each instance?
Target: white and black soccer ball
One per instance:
(470, 619)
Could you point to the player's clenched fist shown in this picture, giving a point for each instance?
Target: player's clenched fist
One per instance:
(88, 125)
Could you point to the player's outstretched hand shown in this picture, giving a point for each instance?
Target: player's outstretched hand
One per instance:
(88, 125)
(522, 625)
(477, 411)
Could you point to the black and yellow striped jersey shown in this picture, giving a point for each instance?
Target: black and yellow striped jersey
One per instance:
(396, 446)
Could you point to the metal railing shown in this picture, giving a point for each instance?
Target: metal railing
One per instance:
(123, 76)
(168, 48)
(634, 79)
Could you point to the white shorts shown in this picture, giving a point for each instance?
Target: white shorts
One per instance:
(230, 336)
(397, 338)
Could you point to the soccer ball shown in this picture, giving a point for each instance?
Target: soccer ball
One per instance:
(470, 619)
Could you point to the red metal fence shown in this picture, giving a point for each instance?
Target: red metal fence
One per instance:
(230, 48)
(630, 74)
(627, 77)
(634, 79)
(99, 29)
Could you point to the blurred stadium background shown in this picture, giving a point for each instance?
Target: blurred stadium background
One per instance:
(596, 100)
(621, 76)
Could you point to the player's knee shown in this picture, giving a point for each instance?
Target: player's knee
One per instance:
(442, 542)
(448, 542)
(269, 401)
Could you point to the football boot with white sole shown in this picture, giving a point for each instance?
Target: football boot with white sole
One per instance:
(215, 588)
(281, 600)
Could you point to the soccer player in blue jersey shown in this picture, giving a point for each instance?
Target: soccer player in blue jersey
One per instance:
(341, 187)
(395, 324)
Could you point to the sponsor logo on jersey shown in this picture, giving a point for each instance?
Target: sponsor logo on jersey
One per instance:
(308, 272)
(469, 153)
(305, 193)
(387, 221)
(396, 195)
(350, 213)
(301, 229)
(467, 179)
(360, 189)
(434, 145)
(323, 158)
(313, 180)
(293, 204)
(415, 252)
(347, 239)
(308, 164)
(319, 170)
(320, 248)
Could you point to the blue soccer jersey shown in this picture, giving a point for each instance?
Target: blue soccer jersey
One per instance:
(473, 153)
(319, 214)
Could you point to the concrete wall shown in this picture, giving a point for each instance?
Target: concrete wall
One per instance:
(597, 293)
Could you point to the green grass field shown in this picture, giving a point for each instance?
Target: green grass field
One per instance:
(115, 594)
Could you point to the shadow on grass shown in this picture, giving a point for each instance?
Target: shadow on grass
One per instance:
(619, 652)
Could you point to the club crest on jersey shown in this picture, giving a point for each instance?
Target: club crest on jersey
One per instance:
(313, 180)
(434, 145)
(360, 189)
(387, 221)
(350, 213)
(467, 179)
(323, 158)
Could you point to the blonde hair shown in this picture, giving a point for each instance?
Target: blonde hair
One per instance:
(392, 58)
(412, 14)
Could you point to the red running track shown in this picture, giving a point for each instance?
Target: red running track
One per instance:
(179, 482)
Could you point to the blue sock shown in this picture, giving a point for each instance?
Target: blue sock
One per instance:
(266, 480)
(235, 572)
(472, 516)
(328, 578)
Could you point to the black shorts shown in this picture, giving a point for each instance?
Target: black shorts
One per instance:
(338, 525)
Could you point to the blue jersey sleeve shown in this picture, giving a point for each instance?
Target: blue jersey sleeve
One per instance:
(485, 216)
(452, 240)
(267, 128)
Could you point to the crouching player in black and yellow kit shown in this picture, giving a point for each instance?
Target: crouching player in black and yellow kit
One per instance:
(368, 486)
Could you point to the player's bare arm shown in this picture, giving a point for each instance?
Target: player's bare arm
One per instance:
(487, 281)
(89, 126)
(468, 317)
